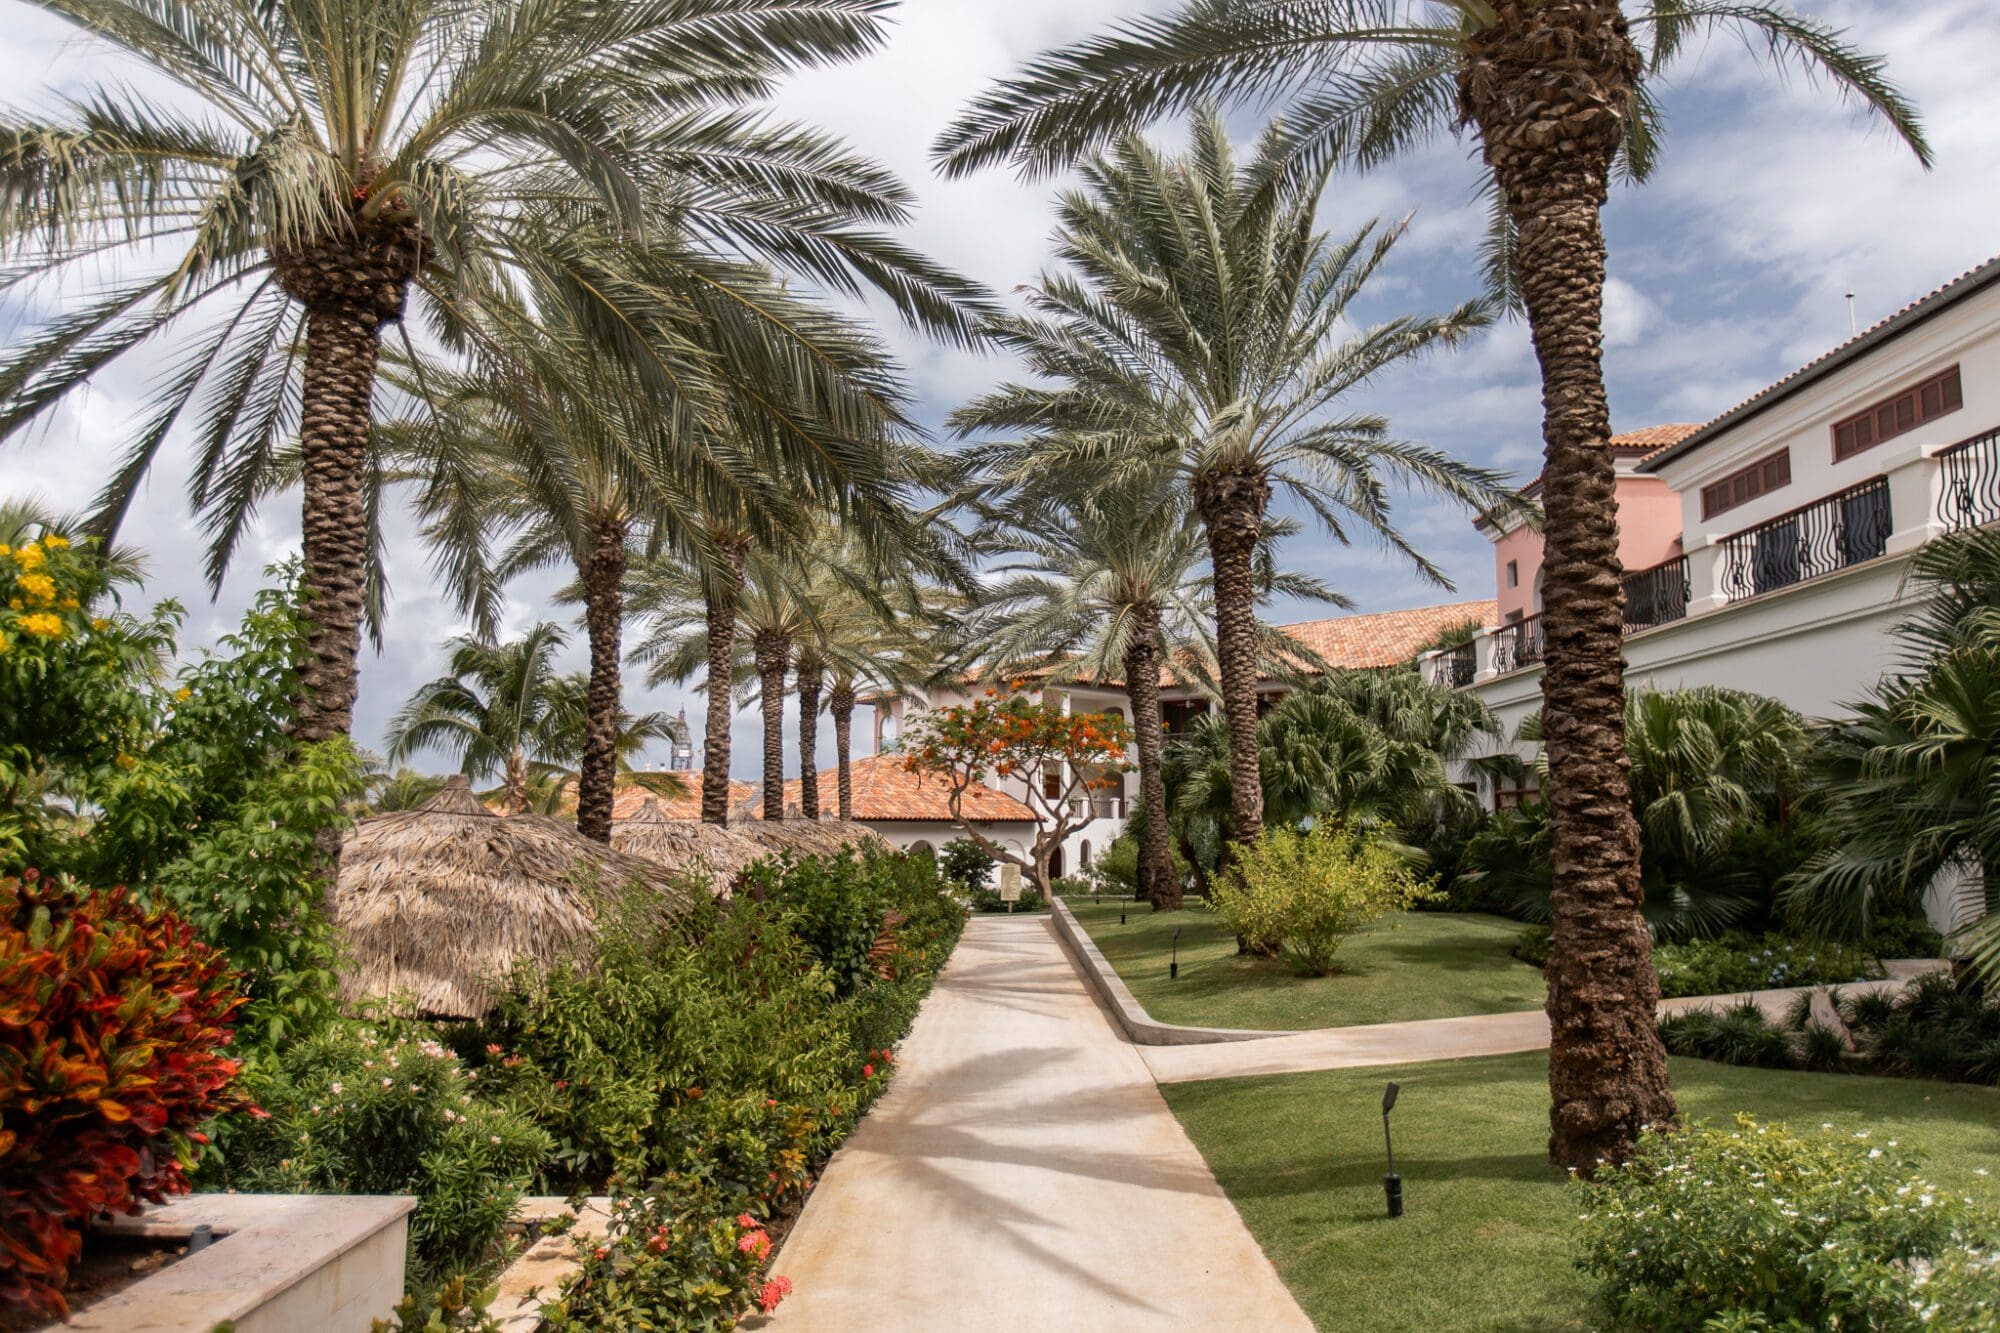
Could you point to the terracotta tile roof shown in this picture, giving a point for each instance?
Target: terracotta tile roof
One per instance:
(1644, 443)
(1386, 638)
(884, 790)
(1932, 303)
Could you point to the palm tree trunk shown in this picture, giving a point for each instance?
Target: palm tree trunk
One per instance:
(1550, 128)
(722, 587)
(840, 703)
(604, 620)
(517, 783)
(351, 281)
(774, 658)
(1157, 882)
(810, 677)
(1231, 502)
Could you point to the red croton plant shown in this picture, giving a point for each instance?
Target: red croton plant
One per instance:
(112, 1014)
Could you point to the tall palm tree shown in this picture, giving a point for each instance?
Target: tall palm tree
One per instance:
(326, 161)
(507, 709)
(1204, 326)
(587, 469)
(1562, 97)
(1101, 584)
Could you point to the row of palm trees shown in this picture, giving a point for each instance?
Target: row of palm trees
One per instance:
(539, 255)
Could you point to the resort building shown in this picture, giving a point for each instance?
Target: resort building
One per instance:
(1794, 517)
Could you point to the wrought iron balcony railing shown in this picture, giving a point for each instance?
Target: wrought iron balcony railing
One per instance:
(1519, 644)
(1656, 596)
(1970, 494)
(1832, 533)
(1455, 667)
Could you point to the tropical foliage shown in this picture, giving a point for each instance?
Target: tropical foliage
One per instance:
(1302, 894)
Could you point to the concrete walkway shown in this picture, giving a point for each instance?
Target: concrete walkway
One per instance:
(1023, 1173)
(1447, 1038)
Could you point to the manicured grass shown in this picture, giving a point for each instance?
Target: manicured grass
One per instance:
(1408, 965)
(1486, 1242)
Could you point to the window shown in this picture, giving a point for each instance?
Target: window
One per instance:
(1513, 573)
(1514, 617)
(1052, 784)
(1893, 416)
(1760, 478)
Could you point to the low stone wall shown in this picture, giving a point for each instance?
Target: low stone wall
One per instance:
(1141, 1028)
(281, 1263)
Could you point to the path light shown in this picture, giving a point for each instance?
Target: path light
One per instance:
(1174, 967)
(1392, 1184)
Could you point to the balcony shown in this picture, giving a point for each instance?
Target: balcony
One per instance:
(1969, 490)
(1832, 533)
(1656, 596)
(1454, 668)
(1520, 644)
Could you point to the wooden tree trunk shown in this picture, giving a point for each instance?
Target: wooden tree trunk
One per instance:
(723, 586)
(774, 659)
(1549, 88)
(516, 782)
(351, 281)
(1231, 503)
(810, 678)
(604, 620)
(840, 703)
(1157, 882)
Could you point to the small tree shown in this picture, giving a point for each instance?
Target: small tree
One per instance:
(1305, 893)
(1013, 736)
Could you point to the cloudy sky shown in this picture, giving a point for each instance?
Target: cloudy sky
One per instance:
(1728, 270)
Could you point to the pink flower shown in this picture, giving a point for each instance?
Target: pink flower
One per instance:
(773, 1291)
(747, 1222)
(868, 1071)
(493, 1048)
(755, 1243)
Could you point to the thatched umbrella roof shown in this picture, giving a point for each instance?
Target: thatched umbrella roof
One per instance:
(810, 837)
(686, 844)
(441, 900)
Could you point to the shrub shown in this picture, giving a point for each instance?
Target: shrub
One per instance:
(1534, 944)
(1905, 937)
(1305, 893)
(1739, 962)
(677, 1256)
(359, 1109)
(1938, 1027)
(111, 1019)
(965, 864)
(1738, 1035)
(1755, 1227)
(989, 900)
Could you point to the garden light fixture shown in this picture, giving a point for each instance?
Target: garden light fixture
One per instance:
(1392, 1184)
(1174, 966)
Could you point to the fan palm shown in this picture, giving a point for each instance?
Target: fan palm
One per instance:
(1204, 327)
(326, 161)
(1101, 584)
(1561, 94)
(506, 709)
(1911, 787)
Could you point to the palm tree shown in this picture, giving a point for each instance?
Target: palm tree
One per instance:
(1562, 98)
(506, 709)
(1908, 787)
(1101, 584)
(324, 162)
(1204, 328)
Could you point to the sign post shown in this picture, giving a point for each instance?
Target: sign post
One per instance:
(1010, 885)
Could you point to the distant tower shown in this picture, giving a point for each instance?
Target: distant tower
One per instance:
(683, 757)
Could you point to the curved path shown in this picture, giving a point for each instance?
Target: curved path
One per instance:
(1023, 1173)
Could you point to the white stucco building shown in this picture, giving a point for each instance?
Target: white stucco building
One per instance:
(1799, 510)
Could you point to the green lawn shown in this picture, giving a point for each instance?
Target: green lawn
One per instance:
(1485, 1242)
(1409, 965)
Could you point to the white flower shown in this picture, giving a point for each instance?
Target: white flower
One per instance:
(333, 1088)
(388, 1082)
(493, 1138)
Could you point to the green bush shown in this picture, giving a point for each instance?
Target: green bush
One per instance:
(1905, 937)
(1302, 894)
(1937, 1027)
(1739, 962)
(1534, 944)
(989, 900)
(360, 1109)
(965, 864)
(1754, 1227)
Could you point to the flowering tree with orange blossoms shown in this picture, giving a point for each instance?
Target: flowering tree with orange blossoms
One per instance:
(1011, 735)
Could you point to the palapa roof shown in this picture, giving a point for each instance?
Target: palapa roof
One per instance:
(884, 790)
(808, 837)
(686, 844)
(440, 901)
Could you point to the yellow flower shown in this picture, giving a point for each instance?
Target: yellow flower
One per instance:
(55, 541)
(100, 623)
(29, 556)
(5, 643)
(38, 586)
(68, 604)
(183, 694)
(43, 623)
(5, 549)
(125, 761)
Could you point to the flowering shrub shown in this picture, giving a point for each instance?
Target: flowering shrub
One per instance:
(1304, 893)
(111, 1019)
(1756, 1227)
(675, 1257)
(366, 1110)
(1738, 962)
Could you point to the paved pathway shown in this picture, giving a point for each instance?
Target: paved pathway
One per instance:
(1023, 1173)
(1440, 1038)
